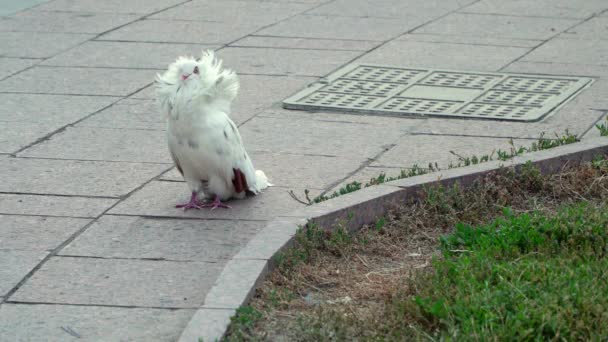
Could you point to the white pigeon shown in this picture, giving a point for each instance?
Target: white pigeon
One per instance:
(204, 142)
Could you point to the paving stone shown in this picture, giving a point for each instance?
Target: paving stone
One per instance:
(595, 28)
(387, 8)
(159, 199)
(594, 132)
(539, 8)
(305, 43)
(110, 6)
(557, 69)
(305, 171)
(38, 44)
(444, 55)
(144, 94)
(16, 135)
(72, 177)
(26, 322)
(66, 22)
(68, 280)
(128, 113)
(104, 144)
(574, 51)
(423, 150)
(313, 26)
(172, 175)
(55, 110)
(321, 135)
(82, 81)
(125, 55)
(37, 232)
(171, 239)
(12, 7)
(14, 265)
(284, 61)
(498, 26)
(265, 13)
(258, 92)
(271, 239)
(194, 32)
(470, 40)
(9, 66)
(54, 205)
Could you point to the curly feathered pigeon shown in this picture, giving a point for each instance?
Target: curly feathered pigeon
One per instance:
(204, 142)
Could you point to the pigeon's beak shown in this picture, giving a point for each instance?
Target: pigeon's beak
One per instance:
(184, 77)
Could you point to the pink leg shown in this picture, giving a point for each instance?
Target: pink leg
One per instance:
(193, 204)
(216, 204)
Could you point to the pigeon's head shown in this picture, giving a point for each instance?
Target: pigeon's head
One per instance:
(189, 71)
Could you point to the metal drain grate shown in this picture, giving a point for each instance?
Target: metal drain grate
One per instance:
(401, 91)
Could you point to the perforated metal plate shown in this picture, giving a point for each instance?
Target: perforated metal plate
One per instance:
(377, 89)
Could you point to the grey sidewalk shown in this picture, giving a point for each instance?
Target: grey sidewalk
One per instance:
(91, 246)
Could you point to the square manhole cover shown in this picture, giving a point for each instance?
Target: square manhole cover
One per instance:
(389, 90)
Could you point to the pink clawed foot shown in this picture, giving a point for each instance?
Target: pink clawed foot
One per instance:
(216, 204)
(193, 204)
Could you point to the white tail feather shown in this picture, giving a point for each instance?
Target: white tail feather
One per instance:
(261, 180)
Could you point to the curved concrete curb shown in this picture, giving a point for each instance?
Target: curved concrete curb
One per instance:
(245, 271)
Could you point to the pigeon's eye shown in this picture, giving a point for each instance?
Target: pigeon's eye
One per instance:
(195, 70)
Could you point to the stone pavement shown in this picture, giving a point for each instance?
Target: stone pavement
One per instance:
(91, 247)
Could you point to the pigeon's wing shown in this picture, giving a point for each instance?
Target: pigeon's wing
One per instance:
(236, 161)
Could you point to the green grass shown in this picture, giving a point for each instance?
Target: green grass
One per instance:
(542, 143)
(521, 277)
(603, 127)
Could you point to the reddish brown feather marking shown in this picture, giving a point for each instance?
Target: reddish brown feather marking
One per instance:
(239, 181)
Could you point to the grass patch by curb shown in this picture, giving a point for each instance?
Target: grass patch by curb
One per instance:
(514, 256)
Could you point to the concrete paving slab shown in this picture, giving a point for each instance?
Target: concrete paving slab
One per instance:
(64, 22)
(305, 43)
(56, 110)
(498, 26)
(320, 135)
(170, 239)
(422, 150)
(128, 113)
(297, 62)
(470, 40)
(9, 66)
(175, 31)
(125, 55)
(54, 205)
(144, 94)
(334, 27)
(26, 322)
(235, 284)
(594, 132)
(573, 51)
(265, 13)
(147, 283)
(159, 199)
(445, 55)
(72, 177)
(38, 44)
(539, 8)
(388, 8)
(594, 28)
(78, 81)
(259, 92)
(109, 6)
(17, 135)
(12, 7)
(305, 171)
(14, 265)
(271, 239)
(104, 144)
(39, 233)
(550, 68)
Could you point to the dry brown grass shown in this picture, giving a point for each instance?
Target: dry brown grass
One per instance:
(343, 288)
